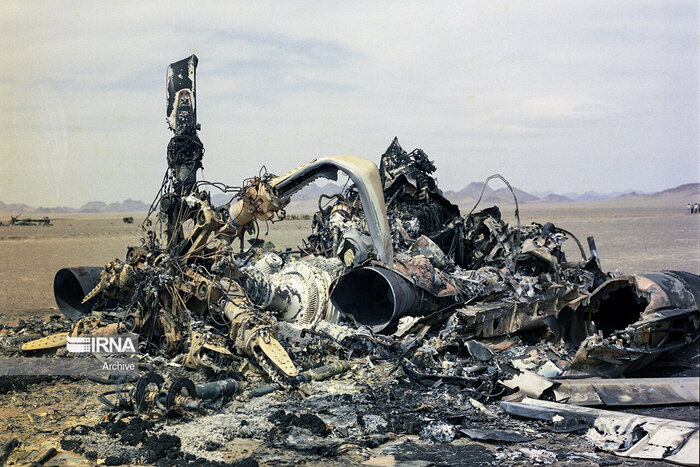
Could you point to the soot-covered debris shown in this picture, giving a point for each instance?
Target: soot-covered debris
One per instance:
(391, 333)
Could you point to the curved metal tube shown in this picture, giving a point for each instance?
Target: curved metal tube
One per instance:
(365, 175)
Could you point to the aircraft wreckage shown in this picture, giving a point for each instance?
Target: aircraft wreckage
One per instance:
(394, 287)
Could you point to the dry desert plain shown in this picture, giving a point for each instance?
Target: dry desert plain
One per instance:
(632, 235)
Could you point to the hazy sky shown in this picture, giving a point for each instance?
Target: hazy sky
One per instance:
(567, 96)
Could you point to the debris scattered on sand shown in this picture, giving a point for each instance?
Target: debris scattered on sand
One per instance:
(393, 331)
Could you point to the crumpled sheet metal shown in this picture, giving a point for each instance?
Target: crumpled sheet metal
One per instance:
(629, 321)
(623, 434)
(662, 291)
(424, 275)
(180, 84)
(507, 316)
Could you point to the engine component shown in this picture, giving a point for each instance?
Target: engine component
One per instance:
(216, 389)
(629, 321)
(71, 285)
(376, 296)
(273, 194)
(152, 394)
(298, 293)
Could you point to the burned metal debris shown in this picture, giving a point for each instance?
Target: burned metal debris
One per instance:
(626, 435)
(398, 316)
(16, 220)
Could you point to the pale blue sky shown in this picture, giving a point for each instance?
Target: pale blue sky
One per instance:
(567, 96)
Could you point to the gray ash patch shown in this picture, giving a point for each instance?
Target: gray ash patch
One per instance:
(136, 441)
(413, 453)
(438, 432)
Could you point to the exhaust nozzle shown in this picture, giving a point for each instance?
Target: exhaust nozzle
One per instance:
(71, 285)
(376, 296)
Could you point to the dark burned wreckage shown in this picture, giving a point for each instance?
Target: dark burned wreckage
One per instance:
(391, 271)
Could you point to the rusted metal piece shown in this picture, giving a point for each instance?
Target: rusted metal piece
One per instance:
(49, 342)
(92, 326)
(115, 281)
(255, 334)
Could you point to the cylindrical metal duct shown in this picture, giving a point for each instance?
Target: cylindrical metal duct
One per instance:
(377, 296)
(71, 285)
(217, 389)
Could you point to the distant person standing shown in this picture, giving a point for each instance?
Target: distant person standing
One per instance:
(690, 210)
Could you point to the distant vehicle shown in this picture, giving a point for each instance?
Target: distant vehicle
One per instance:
(128, 220)
(15, 220)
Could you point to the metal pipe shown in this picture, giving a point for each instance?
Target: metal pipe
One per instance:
(216, 389)
(71, 285)
(315, 374)
(594, 250)
(323, 372)
(377, 296)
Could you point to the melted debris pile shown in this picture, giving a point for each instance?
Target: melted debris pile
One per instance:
(393, 330)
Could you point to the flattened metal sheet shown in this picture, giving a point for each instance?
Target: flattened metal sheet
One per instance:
(689, 453)
(629, 391)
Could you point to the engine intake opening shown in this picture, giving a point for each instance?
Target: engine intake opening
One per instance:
(366, 295)
(618, 309)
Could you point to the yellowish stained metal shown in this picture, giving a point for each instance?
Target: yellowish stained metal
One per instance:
(48, 342)
(276, 353)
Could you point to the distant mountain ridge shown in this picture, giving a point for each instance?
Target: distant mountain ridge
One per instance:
(128, 205)
(470, 193)
(309, 194)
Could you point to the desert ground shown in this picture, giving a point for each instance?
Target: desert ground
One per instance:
(632, 236)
